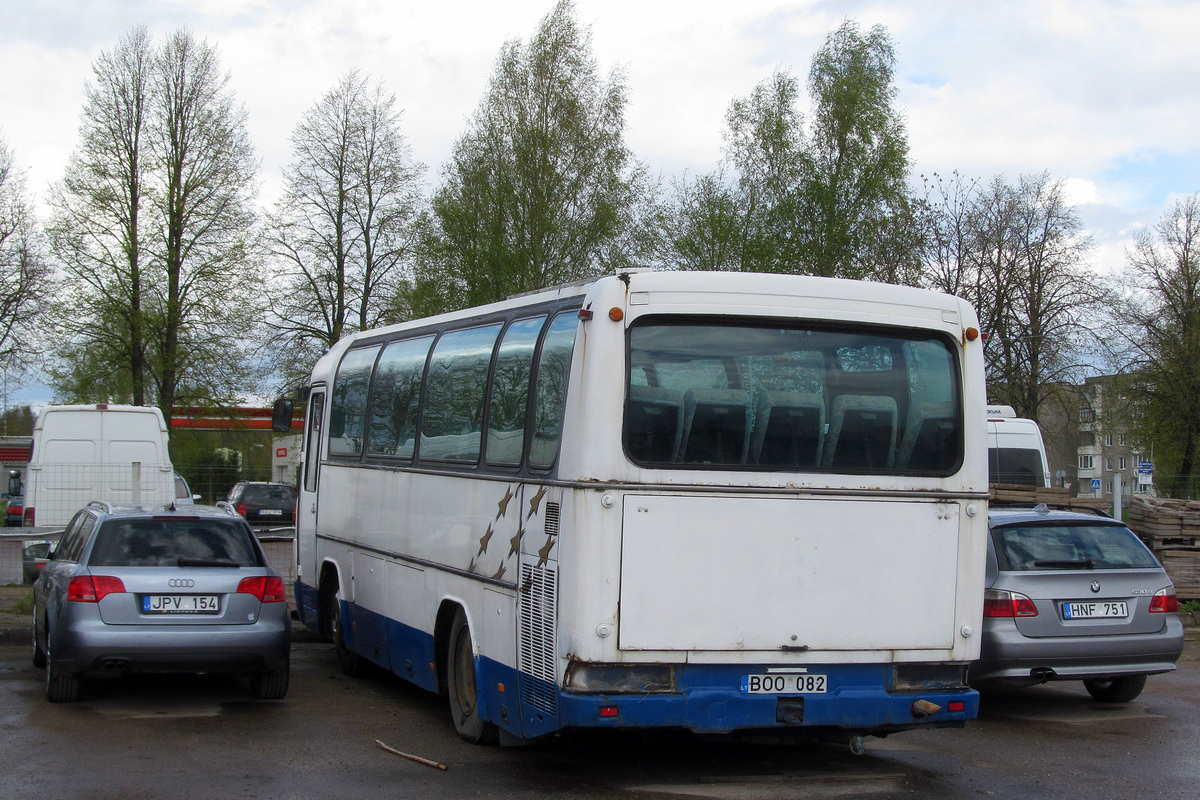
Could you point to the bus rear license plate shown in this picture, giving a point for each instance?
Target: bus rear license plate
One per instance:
(1094, 610)
(785, 683)
(180, 604)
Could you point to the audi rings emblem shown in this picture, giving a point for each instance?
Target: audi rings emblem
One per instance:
(181, 583)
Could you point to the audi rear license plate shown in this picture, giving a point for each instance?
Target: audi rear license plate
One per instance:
(785, 683)
(1109, 609)
(180, 604)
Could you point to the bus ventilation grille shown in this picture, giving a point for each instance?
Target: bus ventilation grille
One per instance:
(553, 511)
(539, 600)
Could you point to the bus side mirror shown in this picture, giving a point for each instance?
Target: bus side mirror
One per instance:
(14, 483)
(281, 416)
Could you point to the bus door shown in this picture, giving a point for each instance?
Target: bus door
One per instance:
(306, 504)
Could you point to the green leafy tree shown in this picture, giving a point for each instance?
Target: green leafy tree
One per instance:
(829, 201)
(856, 195)
(541, 189)
(152, 224)
(97, 230)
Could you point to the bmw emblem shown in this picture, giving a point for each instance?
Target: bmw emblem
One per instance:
(1095, 586)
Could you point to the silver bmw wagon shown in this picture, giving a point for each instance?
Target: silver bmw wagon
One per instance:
(130, 590)
(1074, 596)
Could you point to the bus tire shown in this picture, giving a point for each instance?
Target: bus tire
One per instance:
(460, 683)
(353, 665)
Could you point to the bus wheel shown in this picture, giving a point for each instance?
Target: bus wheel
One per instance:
(460, 677)
(352, 663)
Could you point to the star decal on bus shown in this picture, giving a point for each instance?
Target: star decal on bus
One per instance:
(499, 573)
(536, 500)
(483, 541)
(515, 542)
(504, 501)
(544, 553)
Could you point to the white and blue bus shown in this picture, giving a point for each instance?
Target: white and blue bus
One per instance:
(710, 501)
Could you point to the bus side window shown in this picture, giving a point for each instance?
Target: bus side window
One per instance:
(452, 421)
(348, 417)
(550, 397)
(395, 397)
(509, 406)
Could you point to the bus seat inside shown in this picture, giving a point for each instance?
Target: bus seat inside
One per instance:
(862, 433)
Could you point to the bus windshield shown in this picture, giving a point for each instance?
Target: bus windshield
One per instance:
(709, 394)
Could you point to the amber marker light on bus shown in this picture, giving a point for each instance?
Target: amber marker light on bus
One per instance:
(616, 314)
(971, 334)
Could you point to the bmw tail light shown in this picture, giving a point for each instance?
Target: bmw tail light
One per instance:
(1000, 603)
(1164, 601)
(93, 588)
(267, 588)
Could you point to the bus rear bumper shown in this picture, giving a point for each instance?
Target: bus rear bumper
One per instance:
(724, 710)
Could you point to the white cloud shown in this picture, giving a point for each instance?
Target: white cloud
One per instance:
(1102, 93)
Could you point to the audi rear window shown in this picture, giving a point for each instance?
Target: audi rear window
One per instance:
(1074, 546)
(169, 543)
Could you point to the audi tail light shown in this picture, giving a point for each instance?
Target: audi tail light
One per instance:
(93, 588)
(267, 588)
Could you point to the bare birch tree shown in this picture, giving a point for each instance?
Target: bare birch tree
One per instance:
(342, 237)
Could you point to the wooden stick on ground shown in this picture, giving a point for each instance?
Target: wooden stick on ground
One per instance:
(411, 757)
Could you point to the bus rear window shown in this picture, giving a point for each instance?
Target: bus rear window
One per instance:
(719, 396)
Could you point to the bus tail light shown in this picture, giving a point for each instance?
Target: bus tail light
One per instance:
(93, 588)
(1164, 601)
(999, 603)
(267, 588)
(27, 519)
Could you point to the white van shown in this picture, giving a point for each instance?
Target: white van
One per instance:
(105, 452)
(1016, 452)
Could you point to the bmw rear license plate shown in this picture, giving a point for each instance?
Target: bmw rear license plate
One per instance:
(180, 604)
(1110, 609)
(785, 683)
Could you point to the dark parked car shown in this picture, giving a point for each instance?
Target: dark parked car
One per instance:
(1074, 596)
(35, 557)
(264, 503)
(132, 590)
(12, 514)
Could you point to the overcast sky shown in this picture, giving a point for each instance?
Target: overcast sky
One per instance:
(1105, 95)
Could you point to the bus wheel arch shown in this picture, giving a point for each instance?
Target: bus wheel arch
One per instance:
(456, 675)
(330, 621)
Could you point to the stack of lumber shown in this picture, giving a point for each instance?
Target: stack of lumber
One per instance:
(1008, 493)
(1172, 530)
